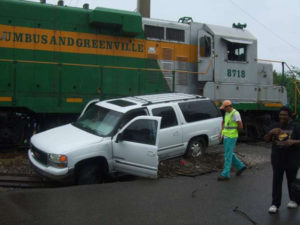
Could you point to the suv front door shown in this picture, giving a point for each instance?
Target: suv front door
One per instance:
(135, 147)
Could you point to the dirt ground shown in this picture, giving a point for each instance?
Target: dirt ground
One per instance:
(251, 154)
(16, 161)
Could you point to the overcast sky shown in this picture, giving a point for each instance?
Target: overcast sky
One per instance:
(275, 23)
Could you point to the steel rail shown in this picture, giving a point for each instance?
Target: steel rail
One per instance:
(23, 181)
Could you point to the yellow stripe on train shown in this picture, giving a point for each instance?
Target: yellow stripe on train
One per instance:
(87, 43)
(74, 100)
(5, 99)
(273, 104)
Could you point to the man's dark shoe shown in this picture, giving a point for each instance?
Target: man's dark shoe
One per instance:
(240, 171)
(222, 178)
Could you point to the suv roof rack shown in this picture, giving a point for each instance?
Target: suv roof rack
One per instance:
(161, 98)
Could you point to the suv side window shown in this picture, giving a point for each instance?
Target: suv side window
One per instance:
(199, 110)
(168, 116)
(132, 114)
(141, 131)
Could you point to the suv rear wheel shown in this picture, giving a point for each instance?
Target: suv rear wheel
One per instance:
(196, 147)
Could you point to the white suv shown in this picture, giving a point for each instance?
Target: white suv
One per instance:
(127, 135)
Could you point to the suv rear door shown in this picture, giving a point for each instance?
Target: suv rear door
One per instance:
(135, 147)
(170, 132)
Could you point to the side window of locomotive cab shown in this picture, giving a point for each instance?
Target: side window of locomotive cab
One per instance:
(205, 46)
(236, 51)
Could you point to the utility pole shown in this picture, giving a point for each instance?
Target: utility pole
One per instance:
(143, 7)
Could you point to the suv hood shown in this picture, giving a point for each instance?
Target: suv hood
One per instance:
(61, 140)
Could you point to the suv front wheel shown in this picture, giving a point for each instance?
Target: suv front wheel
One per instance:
(196, 147)
(90, 174)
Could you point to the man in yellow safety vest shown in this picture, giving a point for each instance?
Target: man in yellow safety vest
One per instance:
(232, 123)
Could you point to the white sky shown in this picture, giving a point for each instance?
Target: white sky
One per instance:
(273, 22)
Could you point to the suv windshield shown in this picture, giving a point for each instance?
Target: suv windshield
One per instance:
(98, 120)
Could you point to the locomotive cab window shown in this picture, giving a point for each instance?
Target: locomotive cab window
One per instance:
(236, 51)
(205, 46)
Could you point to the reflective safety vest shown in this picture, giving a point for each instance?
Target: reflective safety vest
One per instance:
(230, 127)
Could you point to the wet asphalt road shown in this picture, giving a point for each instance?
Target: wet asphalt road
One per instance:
(178, 200)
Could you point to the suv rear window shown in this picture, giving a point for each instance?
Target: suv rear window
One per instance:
(199, 110)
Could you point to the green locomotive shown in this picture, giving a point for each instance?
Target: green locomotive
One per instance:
(54, 59)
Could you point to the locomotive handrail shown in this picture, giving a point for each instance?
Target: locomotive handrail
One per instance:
(296, 89)
(269, 60)
(290, 69)
(113, 67)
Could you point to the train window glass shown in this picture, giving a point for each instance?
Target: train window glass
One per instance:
(205, 46)
(199, 110)
(175, 34)
(168, 117)
(154, 32)
(236, 51)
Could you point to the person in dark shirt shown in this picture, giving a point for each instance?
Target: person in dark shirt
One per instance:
(285, 156)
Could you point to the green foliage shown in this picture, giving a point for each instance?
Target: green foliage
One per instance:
(288, 81)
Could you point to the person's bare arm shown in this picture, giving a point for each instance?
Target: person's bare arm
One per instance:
(290, 142)
(274, 132)
(240, 125)
(220, 134)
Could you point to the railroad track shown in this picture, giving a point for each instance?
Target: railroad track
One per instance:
(17, 181)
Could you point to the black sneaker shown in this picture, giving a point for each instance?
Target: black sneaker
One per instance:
(240, 171)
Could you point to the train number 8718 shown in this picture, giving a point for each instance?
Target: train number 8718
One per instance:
(236, 73)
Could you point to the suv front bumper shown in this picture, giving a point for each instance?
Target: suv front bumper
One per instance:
(58, 174)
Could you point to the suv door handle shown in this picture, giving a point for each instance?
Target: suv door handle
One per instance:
(176, 133)
(150, 154)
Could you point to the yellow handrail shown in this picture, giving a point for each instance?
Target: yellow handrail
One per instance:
(296, 93)
(113, 67)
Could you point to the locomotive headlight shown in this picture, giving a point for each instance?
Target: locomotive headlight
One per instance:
(57, 160)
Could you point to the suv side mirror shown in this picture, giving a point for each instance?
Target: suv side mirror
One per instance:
(119, 137)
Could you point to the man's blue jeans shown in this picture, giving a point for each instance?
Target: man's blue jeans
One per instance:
(230, 157)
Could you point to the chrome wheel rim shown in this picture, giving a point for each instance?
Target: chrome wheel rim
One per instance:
(196, 149)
